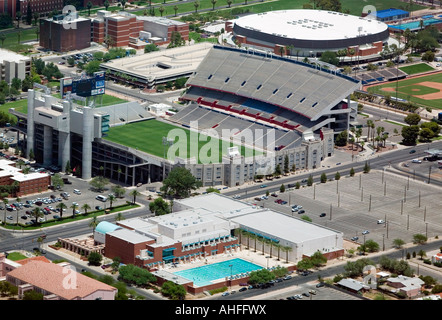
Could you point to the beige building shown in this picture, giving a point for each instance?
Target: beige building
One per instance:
(13, 65)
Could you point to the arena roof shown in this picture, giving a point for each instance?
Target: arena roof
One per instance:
(286, 83)
(311, 24)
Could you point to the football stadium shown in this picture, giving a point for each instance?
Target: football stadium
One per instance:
(243, 114)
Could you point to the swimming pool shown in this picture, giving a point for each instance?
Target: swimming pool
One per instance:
(204, 275)
(416, 24)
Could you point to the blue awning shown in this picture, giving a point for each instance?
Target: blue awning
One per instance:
(168, 258)
(169, 249)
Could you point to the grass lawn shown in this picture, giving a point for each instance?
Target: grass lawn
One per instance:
(100, 101)
(147, 136)
(416, 68)
(355, 6)
(16, 256)
(11, 41)
(408, 88)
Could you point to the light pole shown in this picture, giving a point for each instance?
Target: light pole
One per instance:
(166, 143)
(231, 275)
(267, 257)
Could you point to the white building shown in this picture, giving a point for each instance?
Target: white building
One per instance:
(13, 65)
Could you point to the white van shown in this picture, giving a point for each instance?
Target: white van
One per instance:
(101, 198)
(76, 191)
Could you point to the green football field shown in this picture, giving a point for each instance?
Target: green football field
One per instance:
(413, 90)
(147, 136)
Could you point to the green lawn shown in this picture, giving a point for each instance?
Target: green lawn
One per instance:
(416, 68)
(355, 6)
(407, 89)
(11, 41)
(16, 256)
(100, 101)
(147, 136)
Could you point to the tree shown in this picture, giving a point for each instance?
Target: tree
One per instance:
(29, 14)
(337, 176)
(32, 295)
(425, 135)
(329, 57)
(106, 4)
(196, 4)
(371, 246)
(85, 207)
(68, 168)
(57, 181)
(161, 10)
(36, 213)
(410, 135)
(419, 238)
(123, 3)
(159, 206)
(282, 188)
(74, 208)
(366, 167)
(286, 164)
(213, 4)
(99, 183)
(111, 198)
(95, 258)
(306, 218)
(341, 139)
(134, 193)
(260, 276)
(310, 181)
(179, 183)
(135, 275)
(62, 208)
(422, 254)
(175, 8)
(398, 243)
(5, 202)
(119, 191)
(2, 38)
(18, 16)
(412, 119)
(173, 290)
(323, 178)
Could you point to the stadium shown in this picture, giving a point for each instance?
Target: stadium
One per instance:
(309, 32)
(275, 107)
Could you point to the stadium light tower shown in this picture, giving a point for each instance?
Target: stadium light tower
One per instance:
(166, 144)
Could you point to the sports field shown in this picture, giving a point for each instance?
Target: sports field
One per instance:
(416, 68)
(147, 136)
(425, 90)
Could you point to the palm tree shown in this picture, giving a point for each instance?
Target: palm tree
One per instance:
(85, 207)
(106, 4)
(134, 193)
(74, 207)
(111, 198)
(287, 249)
(213, 3)
(175, 8)
(119, 216)
(37, 213)
(5, 202)
(229, 3)
(2, 38)
(196, 4)
(18, 208)
(93, 223)
(161, 10)
(18, 16)
(62, 207)
(89, 6)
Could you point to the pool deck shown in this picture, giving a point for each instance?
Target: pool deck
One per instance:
(167, 272)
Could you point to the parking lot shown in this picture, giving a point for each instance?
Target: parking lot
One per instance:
(353, 205)
(51, 198)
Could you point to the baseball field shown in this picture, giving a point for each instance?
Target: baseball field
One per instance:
(422, 90)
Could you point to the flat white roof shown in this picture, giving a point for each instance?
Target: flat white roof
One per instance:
(282, 226)
(20, 177)
(7, 55)
(163, 63)
(311, 24)
(215, 202)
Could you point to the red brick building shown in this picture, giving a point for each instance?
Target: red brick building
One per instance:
(62, 34)
(25, 183)
(40, 6)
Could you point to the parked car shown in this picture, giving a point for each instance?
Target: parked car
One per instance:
(355, 239)
(322, 214)
(380, 222)
(242, 289)
(320, 284)
(365, 232)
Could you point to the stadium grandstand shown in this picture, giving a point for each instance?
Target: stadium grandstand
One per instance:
(303, 105)
(388, 74)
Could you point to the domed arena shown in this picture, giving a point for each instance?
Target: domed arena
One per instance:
(308, 32)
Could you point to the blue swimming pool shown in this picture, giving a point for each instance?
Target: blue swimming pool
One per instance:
(204, 275)
(416, 24)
